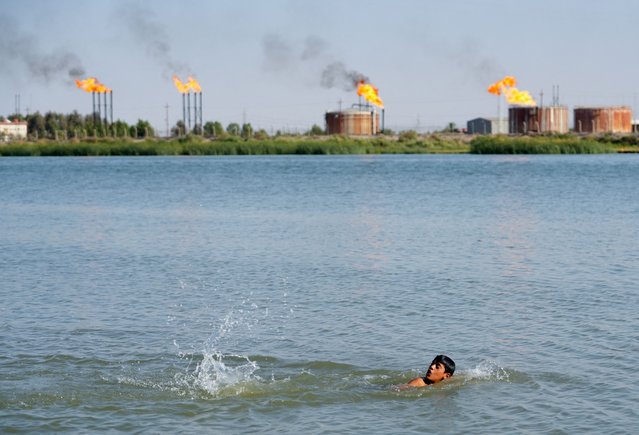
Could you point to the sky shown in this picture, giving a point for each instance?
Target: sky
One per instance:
(281, 64)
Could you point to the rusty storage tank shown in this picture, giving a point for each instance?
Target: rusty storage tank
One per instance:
(353, 122)
(603, 119)
(524, 120)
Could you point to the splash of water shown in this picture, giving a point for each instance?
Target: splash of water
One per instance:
(486, 371)
(219, 373)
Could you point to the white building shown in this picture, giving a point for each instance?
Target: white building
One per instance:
(13, 130)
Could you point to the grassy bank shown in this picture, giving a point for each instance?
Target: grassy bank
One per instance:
(236, 146)
(402, 144)
(565, 144)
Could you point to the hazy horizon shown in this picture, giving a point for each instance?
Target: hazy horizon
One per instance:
(281, 65)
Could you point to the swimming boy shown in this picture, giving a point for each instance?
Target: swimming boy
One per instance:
(441, 368)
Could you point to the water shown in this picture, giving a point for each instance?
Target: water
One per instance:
(293, 294)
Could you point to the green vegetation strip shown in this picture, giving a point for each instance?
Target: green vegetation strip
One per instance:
(403, 144)
(540, 145)
(198, 146)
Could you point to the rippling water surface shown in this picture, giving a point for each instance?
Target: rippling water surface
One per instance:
(293, 294)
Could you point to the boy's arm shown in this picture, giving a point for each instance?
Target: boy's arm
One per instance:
(417, 382)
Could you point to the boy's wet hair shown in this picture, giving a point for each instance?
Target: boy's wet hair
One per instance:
(449, 364)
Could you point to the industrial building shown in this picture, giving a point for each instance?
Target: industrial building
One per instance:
(487, 126)
(353, 122)
(603, 119)
(16, 130)
(548, 119)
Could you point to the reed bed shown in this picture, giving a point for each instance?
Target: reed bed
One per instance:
(193, 145)
(539, 145)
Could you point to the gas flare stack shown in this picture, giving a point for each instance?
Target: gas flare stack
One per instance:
(103, 104)
(191, 111)
(371, 94)
(524, 115)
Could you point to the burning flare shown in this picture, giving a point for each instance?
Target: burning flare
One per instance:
(369, 92)
(506, 86)
(92, 84)
(190, 85)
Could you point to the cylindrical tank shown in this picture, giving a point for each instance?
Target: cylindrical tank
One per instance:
(353, 122)
(603, 119)
(523, 120)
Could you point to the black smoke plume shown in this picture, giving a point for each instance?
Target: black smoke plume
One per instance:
(141, 22)
(337, 75)
(21, 50)
(281, 55)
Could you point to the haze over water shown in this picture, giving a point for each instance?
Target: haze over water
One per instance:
(292, 294)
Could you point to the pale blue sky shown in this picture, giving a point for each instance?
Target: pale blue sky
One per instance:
(262, 61)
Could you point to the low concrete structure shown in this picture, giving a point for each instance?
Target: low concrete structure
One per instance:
(487, 126)
(16, 130)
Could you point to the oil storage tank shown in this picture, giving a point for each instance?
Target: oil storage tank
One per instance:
(616, 119)
(353, 122)
(545, 119)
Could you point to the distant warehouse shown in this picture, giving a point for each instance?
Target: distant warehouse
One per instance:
(486, 126)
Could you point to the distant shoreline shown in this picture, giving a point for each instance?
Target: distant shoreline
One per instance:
(328, 145)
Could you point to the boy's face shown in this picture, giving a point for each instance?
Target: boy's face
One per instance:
(436, 372)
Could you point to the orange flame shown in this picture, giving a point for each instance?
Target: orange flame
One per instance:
(506, 86)
(369, 92)
(181, 87)
(92, 84)
(193, 84)
(190, 85)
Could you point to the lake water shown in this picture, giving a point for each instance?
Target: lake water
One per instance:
(292, 294)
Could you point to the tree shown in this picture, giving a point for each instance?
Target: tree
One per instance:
(179, 129)
(261, 134)
(74, 121)
(120, 128)
(315, 130)
(218, 128)
(214, 129)
(209, 129)
(233, 129)
(16, 117)
(53, 123)
(35, 125)
(247, 131)
(451, 128)
(144, 129)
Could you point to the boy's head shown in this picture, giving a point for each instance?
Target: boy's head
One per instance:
(441, 368)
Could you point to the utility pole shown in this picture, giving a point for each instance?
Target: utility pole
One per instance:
(17, 103)
(555, 95)
(635, 116)
(166, 119)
